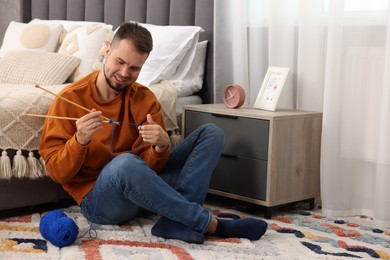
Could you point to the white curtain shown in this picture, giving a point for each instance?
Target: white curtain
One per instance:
(338, 52)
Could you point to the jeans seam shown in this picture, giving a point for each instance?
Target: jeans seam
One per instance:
(190, 166)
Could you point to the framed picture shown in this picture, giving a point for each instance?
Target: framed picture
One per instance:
(271, 88)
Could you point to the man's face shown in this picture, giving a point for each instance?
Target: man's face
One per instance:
(123, 64)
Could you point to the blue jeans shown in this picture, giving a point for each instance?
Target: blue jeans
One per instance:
(128, 188)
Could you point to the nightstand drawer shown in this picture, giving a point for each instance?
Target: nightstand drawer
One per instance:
(241, 176)
(244, 137)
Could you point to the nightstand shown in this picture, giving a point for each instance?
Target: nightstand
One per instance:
(270, 158)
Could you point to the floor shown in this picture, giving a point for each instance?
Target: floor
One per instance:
(258, 210)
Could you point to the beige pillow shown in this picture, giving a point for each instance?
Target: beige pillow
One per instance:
(86, 42)
(36, 67)
(21, 36)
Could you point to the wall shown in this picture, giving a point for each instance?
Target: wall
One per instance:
(9, 10)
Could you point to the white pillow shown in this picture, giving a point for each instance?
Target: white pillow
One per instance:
(172, 45)
(185, 64)
(193, 81)
(22, 36)
(86, 42)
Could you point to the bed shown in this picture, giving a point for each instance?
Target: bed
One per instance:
(53, 62)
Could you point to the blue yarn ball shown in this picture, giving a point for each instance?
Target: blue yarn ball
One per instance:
(59, 229)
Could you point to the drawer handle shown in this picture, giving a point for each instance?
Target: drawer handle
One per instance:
(222, 115)
(231, 156)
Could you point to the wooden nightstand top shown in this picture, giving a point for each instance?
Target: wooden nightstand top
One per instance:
(249, 111)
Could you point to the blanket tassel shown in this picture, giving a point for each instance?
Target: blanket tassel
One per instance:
(20, 166)
(175, 139)
(45, 173)
(34, 166)
(5, 166)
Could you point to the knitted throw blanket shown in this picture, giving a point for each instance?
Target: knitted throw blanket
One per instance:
(21, 133)
(166, 93)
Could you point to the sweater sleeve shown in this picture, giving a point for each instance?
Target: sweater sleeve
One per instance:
(150, 105)
(62, 154)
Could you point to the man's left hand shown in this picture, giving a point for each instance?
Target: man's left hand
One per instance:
(154, 134)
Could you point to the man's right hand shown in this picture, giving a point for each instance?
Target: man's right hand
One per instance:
(87, 126)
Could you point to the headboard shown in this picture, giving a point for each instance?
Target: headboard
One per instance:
(114, 12)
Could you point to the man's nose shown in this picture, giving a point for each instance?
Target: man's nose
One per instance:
(124, 71)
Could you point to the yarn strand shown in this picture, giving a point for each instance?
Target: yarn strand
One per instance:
(113, 123)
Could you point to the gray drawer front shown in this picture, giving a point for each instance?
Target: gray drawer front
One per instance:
(241, 176)
(245, 137)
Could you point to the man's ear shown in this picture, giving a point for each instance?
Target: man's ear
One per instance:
(107, 51)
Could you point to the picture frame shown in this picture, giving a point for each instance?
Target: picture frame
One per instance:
(271, 88)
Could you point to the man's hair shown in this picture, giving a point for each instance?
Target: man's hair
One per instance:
(140, 36)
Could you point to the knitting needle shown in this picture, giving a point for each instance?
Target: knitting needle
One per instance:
(57, 117)
(71, 102)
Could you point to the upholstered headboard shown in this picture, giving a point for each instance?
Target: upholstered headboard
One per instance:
(160, 12)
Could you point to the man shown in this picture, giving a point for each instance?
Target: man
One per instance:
(117, 172)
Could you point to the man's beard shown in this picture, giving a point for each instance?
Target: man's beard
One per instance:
(116, 88)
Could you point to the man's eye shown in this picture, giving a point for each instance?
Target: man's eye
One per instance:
(134, 68)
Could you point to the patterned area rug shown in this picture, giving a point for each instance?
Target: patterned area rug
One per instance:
(293, 234)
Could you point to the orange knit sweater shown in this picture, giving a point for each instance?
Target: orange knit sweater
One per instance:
(77, 167)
